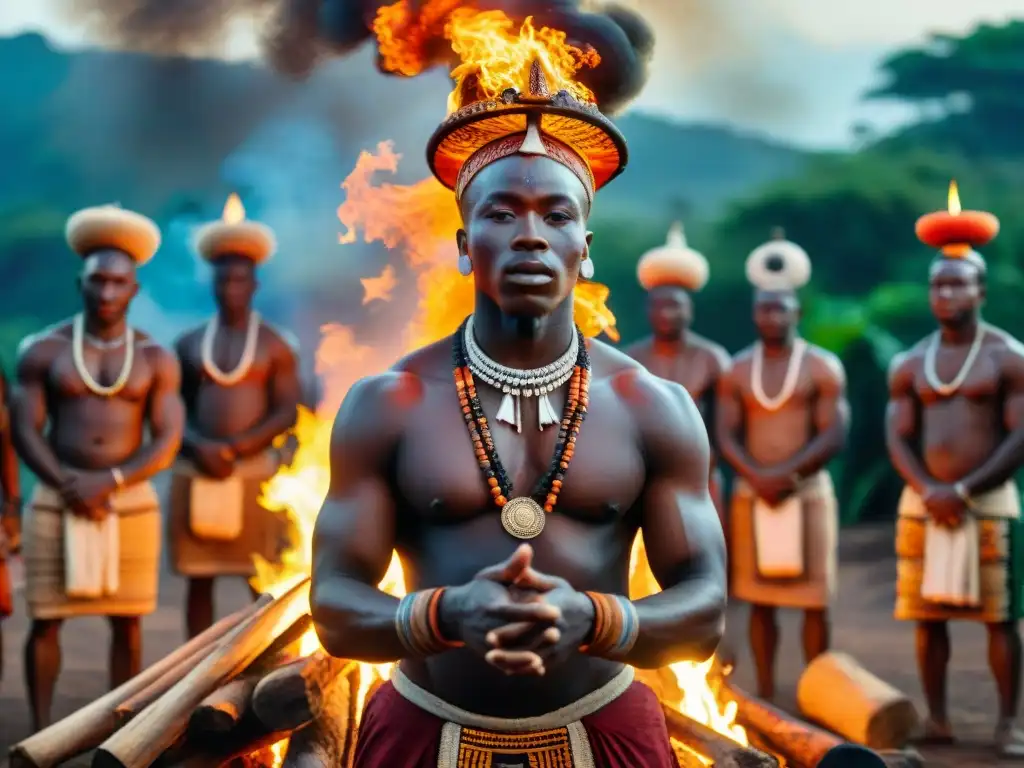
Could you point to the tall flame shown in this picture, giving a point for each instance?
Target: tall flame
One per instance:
(954, 198)
(234, 211)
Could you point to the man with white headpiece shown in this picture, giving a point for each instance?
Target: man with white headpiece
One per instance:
(241, 389)
(96, 414)
(669, 274)
(782, 416)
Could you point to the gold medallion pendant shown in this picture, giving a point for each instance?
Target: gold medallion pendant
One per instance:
(523, 517)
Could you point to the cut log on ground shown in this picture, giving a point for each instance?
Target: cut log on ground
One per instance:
(835, 691)
(723, 751)
(298, 692)
(86, 728)
(144, 739)
(800, 744)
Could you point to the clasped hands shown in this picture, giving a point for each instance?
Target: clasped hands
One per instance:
(772, 486)
(214, 458)
(87, 492)
(518, 619)
(945, 504)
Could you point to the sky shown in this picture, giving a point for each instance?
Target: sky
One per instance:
(793, 70)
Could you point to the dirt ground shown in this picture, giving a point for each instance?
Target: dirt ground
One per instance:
(863, 627)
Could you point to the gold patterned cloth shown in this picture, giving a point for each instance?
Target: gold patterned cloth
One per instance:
(132, 587)
(994, 552)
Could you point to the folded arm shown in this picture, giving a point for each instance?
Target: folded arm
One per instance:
(682, 535)
(355, 532)
(831, 416)
(903, 425)
(1009, 455)
(28, 411)
(166, 420)
(284, 403)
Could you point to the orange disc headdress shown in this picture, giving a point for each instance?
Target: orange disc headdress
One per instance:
(534, 122)
(235, 235)
(111, 226)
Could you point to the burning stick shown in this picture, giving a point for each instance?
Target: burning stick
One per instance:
(800, 744)
(723, 751)
(89, 726)
(156, 728)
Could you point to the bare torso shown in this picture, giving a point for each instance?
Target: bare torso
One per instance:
(773, 436)
(216, 411)
(448, 530)
(86, 430)
(959, 433)
(696, 365)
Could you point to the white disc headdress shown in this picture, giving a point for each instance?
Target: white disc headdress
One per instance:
(674, 263)
(778, 265)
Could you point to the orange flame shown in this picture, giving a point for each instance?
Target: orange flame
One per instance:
(954, 198)
(234, 211)
(488, 47)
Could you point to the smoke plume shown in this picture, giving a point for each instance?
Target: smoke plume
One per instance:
(298, 35)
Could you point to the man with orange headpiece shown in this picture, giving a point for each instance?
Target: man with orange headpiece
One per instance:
(669, 274)
(89, 391)
(955, 433)
(241, 389)
(511, 653)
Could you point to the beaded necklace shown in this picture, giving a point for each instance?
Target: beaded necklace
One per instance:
(522, 516)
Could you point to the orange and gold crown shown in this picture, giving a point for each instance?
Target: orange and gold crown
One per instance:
(531, 121)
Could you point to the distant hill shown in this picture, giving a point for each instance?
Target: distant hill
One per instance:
(85, 126)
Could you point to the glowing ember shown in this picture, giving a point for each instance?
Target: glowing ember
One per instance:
(234, 211)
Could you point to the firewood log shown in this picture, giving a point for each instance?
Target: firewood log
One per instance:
(144, 739)
(723, 751)
(297, 692)
(835, 691)
(89, 726)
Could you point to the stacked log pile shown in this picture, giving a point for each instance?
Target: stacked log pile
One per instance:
(237, 693)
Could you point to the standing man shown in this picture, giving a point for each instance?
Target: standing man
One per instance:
(513, 653)
(10, 510)
(670, 274)
(783, 518)
(241, 389)
(96, 415)
(955, 433)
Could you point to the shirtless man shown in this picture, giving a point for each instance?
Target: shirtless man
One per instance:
(88, 392)
(495, 630)
(670, 274)
(955, 433)
(10, 510)
(241, 390)
(783, 519)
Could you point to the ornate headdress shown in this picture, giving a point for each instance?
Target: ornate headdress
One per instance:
(235, 235)
(534, 122)
(673, 263)
(111, 226)
(778, 265)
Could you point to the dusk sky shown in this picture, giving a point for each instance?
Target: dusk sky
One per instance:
(792, 69)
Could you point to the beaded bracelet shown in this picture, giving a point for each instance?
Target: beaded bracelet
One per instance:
(616, 626)
(418, 624)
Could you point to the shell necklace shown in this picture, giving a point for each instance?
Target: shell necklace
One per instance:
(931, 374)
(77, 355)
(229, 379)
(796, 357)
(522, 516)
(516, 384)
